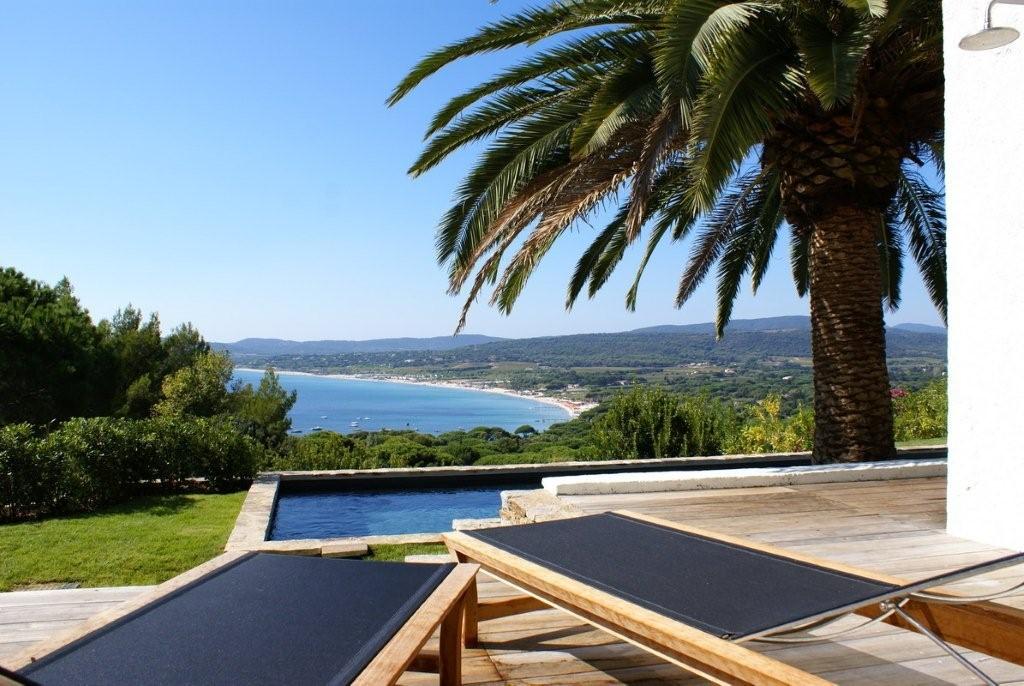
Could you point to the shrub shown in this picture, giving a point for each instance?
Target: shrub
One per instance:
(463, 453)
(401, 452)
(650, 423)
(542, 455)
(922, 413)
(323, 450)
(24, 478)
(767, 431)
(87, 463)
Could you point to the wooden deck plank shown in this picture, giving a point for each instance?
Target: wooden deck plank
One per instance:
(893, 528)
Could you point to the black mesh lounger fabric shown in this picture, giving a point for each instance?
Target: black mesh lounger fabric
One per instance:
(723, 589)
(264, 619)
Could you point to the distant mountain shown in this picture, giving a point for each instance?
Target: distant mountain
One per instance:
(789, 323)
(659, 348)
(266, 347)
(922, 328)
(744, 337)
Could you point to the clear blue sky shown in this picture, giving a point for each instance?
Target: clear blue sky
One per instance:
(232, 164)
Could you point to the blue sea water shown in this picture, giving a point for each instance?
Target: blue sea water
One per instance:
(333, 404)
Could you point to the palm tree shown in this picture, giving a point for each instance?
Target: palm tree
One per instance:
(722, 120)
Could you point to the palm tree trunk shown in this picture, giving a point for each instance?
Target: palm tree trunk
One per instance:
(852, 406)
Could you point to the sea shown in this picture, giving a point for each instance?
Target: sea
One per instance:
(350, 405)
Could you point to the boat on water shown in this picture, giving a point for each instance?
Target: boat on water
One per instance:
(354, 424)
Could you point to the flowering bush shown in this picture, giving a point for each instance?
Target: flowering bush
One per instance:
(767, 431)
(921, 414)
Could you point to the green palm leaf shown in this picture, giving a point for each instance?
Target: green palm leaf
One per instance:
(526, 28)
(548, 68)
(832, 52)
(749, 88)
(924, 218)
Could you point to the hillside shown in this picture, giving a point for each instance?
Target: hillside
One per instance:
(756, 357)
(793, 322)
(277, 346)
(659, 349)
(748, 340)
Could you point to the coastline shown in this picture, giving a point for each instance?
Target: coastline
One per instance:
(573, 408)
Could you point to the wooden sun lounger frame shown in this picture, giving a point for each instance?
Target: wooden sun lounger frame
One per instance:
(992, 628)
(444, 608)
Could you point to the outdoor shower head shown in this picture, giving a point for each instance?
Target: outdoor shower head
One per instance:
(991, 36)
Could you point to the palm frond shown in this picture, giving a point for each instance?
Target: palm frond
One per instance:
(625, 93)
(659, 142)
(750, 86)
(686, 35)
(890, 253)
(769, 220)
(589, 259)
(525, 28)
(736, 261)
(547, 68)
(718, 230)
(673, 212)
(581, 194)
(800, 260)
(832, 51)
(505, 108)
(874, 8)
(533, 146)
(923, 213)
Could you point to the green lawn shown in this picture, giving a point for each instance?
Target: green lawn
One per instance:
(921, 442)
(397, 552)
(144, 541)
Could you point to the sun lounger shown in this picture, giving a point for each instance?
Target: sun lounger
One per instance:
(260, 618)
(693, 597)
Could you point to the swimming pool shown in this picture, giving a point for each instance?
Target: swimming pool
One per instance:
(338, 513)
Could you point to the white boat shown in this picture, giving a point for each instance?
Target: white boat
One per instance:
(354, 424)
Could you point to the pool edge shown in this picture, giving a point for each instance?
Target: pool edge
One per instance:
(252, 526)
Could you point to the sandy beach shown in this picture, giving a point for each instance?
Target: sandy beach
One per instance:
(574, 408)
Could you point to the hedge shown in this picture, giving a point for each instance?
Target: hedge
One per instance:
(87, 463)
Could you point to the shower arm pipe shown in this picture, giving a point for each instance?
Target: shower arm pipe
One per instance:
(993, 3)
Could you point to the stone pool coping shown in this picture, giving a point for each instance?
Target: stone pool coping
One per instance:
(609, 484)
(253, 525)
(253, 522)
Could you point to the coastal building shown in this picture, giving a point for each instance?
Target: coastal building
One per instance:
(985, 212)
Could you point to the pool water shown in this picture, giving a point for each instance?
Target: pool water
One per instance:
(342, 513)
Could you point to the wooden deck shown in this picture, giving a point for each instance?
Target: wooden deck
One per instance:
(893, 527)
(27, 617)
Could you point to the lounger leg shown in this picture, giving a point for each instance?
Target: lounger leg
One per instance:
(471, 618)
(450, 652)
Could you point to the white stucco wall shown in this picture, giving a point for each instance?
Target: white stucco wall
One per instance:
(985, 210)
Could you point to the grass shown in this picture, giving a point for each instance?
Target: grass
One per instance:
(144, 541)
(397, 552)
(921, 442)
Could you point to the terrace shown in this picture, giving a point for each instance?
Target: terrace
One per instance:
(902, 527)
(894, 527)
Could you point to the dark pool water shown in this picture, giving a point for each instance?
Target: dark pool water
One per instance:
(336, 514)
